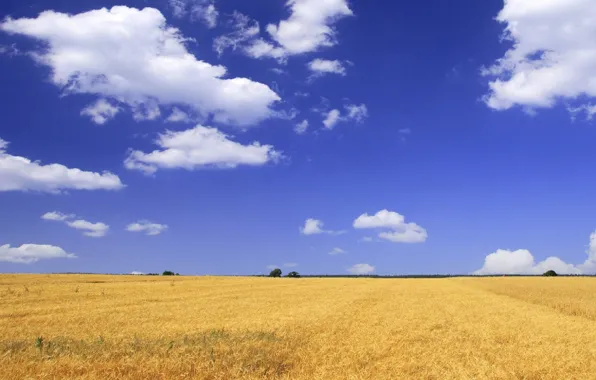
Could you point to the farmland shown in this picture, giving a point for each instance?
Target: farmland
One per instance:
(108, 327)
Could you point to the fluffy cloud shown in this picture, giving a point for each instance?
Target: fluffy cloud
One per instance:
(337, 251)
(401, 232)
(301, 127)
(146, 111)
(312, 227)
(21, 174)
(136, 273)
(148, 228)
(178, 116)
(31, 253)
(356, 113)
(315, 227)
(101, 111)
(333, 117)
(321, 67)
(199, 10)
(132, 56)
(522, 262)
(56, 216)
(589, 266)
(308, 29)
(197, 148)
(88, 228)
(553, 54)
(360, 269)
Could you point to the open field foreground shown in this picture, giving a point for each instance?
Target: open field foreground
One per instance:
(102, 327)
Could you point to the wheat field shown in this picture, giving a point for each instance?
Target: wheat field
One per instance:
(114, 327)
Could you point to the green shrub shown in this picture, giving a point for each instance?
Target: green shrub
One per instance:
(294, 275)
(169, 273)
(551, 273)
(275, 273)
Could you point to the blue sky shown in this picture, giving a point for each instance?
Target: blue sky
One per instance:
(403, 137)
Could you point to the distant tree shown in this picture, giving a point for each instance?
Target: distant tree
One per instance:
(294, 275)
(551, 273)
(177, 274)
(275, 273)
(168, 273)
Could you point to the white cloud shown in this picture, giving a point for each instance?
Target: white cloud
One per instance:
(11, 50)
(360, 269)
(31, 253)
(21, 174)
(278, 71)
(333, 117)
(146, 111)
(309, 28)
(588, 109)
(553, 54)
(89, 229)
(178, 116)
(244, 29)
(589, 266)
(401, 232)
(321, 67)
(56, 216)
(301, 127)
(206, 13)
(315, 227)
(135, 273)
(101, 111)
(199, 10)
(356, 113)
(522, 262)
(337, 251)
(200, 147)
(178, 8)
(261, 48)
(150, 229)
(134, 57)
(312, 227)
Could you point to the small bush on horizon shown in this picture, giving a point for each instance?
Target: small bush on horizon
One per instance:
(550, 273)
(294, 275)
(275, 273)
(168, 273)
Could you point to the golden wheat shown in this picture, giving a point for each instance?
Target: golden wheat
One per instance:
(112, 327)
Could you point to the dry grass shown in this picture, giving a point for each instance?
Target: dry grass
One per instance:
(99, 327)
